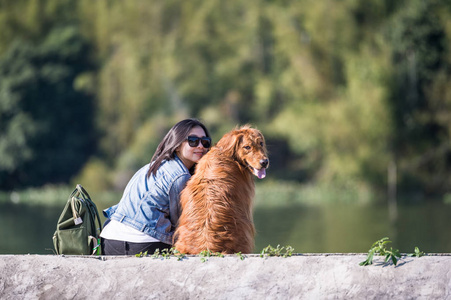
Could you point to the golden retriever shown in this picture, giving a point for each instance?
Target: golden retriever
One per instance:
(217, 201)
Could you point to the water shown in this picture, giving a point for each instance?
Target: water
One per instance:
(309, 229)
(354, 228)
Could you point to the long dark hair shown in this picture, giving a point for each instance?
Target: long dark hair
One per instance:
(173, 139)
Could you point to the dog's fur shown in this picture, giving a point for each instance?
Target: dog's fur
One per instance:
(217, 201)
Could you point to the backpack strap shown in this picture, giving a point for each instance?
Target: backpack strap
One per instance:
(90, 204)
(83, 191)
(77, 219)
(96, 244)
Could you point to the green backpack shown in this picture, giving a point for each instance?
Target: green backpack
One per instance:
(76, 232)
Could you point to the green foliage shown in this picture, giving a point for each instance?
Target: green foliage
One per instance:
(286, 251)
(340, 89)
(46, 125)
(379, 247)
(420, 55)
(141, 254)
(205, 254)
(240, 256)
(47, 195)
(165, 254)
(96, 174)
(417, 253)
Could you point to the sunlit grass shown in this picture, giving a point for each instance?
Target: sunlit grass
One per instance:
(44, 195)
(52, 195)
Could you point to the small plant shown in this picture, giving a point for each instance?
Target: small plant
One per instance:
(205, 254)
(240, 255)
(379, 247)
(165, 253)
(278, 251)
(141, 254)
(156, 254)
(417, 253)
(219, 254)
(289, 251)
(178, 254)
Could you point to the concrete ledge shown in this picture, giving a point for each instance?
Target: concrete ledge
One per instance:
(321, 276)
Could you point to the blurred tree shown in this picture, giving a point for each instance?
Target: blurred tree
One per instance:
(341, 89)
(336, 116)
(421, 68)
(32, 20)
(46, 124)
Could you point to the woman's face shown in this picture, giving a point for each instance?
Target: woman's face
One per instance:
(191, 155)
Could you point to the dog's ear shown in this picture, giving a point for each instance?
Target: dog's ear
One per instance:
(230, 142)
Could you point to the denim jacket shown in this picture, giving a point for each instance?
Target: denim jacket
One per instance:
(151, 204)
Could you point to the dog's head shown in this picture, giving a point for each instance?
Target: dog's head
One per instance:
(247, 146)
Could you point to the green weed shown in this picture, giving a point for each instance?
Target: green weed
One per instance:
(141, 254)
(380, 248)
(278, 251)
(156, 254)
(417, 253)
(205, 254)
(178, 254)
(165, 253)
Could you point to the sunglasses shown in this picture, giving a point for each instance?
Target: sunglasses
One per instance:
(193, 141)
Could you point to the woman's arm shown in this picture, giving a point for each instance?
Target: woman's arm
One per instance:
(174, 198)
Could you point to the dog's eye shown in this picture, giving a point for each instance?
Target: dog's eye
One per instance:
(261, 144)
(247, 147)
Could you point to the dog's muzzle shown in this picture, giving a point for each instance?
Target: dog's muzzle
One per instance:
(260, 173)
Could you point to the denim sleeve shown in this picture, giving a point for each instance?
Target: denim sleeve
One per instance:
(109, 211)
(174, 197)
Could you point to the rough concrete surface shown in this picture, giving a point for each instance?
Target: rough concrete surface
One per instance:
(322, 276)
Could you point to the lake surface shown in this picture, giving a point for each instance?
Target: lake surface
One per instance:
(309, 229)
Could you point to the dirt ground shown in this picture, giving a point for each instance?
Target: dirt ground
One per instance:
(324, 276)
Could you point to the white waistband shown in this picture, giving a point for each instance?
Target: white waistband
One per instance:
(121, 232)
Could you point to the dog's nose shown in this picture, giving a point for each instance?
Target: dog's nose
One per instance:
(264, 163)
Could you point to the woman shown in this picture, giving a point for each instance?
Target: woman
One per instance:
(145, 218)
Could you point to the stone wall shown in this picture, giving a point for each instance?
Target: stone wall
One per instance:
(322, 276)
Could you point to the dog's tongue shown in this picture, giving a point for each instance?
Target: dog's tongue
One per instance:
(260, 173)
